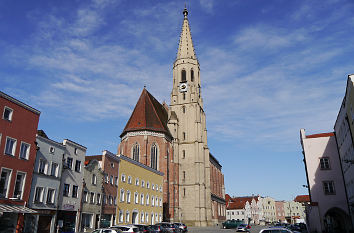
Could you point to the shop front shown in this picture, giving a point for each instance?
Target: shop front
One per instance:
(66, 221)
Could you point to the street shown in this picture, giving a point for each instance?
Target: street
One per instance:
(254, 229)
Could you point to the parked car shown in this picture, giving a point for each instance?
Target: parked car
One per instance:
(167, 227)
(107, 230)
(155, 229)
(277, 230)
(126, 229)
(142, 228)
(243, 227)
(182, 226)
(230, 224)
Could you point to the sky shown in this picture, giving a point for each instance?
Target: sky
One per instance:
(268, 69)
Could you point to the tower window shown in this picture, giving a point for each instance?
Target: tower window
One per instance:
(184, 96)
(184, 109)
(153, 156)
(184, 175)
(136, 151)
(184, 135)
(184, 76)
(192, 75)
(184, 192)
(183, 154)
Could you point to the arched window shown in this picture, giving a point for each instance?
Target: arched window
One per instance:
(154, 156)
(184, 76)
(192, 75)
(136, 151)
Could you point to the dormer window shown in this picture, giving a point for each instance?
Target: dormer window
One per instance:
(184, 76)
(7, 115)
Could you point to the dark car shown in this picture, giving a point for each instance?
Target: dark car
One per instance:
(181, 226)
(167, 227)
(155, 229)
(142, 228)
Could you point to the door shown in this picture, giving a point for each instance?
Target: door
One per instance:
(44, 224)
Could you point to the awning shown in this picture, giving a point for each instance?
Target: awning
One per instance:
(16, 209)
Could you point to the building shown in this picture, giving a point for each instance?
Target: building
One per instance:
(69, 205)
(217, 188)
(344, 132)
(248, 209)
(173, 140)
(46, 179)
(329, 210)
(279, 211)
(269, 212)
(235, 209)
(294, 212)
(92, 195)
(109, 162)
(18, 128)
(140, 193)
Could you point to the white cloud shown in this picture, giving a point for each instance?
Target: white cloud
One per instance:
(207, 5)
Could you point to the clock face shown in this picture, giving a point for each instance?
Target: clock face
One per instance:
(183, 87)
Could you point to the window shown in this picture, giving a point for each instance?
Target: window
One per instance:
(92, 197)
(110, 200)
(106, 178)
(123, 178)
(136, 198)
(51, 150)
(143, 183)
(75, 189)
(142, 215)
(42, 166)
(147, 199)
(121, 216)
(324, 163)
(115, 200)
(136, 150)
(128, 196)
(19, 184)
(160, 202)
(142, 199)
(147, 217)
(38, 197)
(75, 151)
(154, 156)
(160, 188)
(78, 166)
(184, 78)
(69, 162)
(152, 186)
(156, 201)
(104, 199)
(112, 180)
(184, 175)
(4, 182)
(156, 187)
(148, 185)
(183, 154)
(116, 181)
(50, 196)
(121, 195)
(184, 109)
(152, 201)
(94, 179)
(184, 135)
(10, 146)
(54, 171)
(192, 75)
(137, 181)
(127, 216)
(112, 165)
(66, 190)
(24, 150)
(129, 179)
(7, 115)
(184, 96)
(328, 187)
(85, 197)
(98, 198)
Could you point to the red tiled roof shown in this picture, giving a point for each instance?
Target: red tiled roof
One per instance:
(320, 135)
(239, 202)
(302, 198)
(148, 114)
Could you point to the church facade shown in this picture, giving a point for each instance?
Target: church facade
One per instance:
(173, 139)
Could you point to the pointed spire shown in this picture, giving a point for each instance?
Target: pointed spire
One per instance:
(186, 48)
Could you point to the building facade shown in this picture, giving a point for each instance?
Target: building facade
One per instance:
(92, 196)
(18, 128)
(218, 203)
(69, 205)
(268, 207)
(344, 132)
(280, 212)
(140, 193)
(329, 211)
(46, 179)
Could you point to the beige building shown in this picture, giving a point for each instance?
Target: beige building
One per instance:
(294, 212)
(269, 211)
(140, 192)
(187, 124)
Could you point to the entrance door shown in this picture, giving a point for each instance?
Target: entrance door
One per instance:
(44, 224)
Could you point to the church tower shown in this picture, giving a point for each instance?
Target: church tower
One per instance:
(187, 125)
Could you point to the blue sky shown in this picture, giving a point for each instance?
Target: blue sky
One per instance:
(268, 68)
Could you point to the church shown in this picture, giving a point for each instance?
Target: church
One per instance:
(173, 139)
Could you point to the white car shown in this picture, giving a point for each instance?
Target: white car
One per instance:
(242, 227)
(106, 230)
(125, 228)
(277, 230)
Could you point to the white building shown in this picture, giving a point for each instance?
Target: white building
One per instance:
(328, 210)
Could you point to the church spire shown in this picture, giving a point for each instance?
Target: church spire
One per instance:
(186, 48)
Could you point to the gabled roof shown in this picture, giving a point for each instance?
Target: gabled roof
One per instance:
(239, 202)
(148, 114)
(302, 198)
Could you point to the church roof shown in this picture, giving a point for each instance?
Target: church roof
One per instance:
(148, 114)
(186, 48)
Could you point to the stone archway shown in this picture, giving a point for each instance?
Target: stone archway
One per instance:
(336, 221)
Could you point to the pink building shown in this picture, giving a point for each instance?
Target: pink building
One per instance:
(328, 209)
